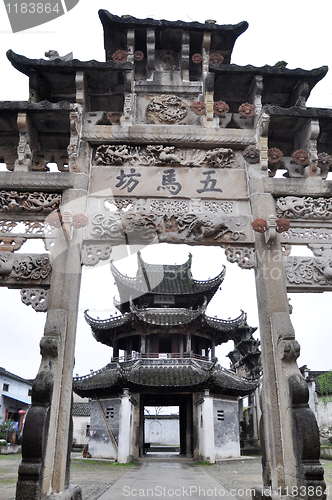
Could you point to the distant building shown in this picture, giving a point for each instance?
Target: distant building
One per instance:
(164, 355)
(81, 421)
(15, 397)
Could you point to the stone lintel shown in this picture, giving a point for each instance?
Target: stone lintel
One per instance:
(182, 135)
(298, 187)
(34, 181)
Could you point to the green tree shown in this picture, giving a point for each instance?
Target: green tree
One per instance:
(324, 385)
(5, 427)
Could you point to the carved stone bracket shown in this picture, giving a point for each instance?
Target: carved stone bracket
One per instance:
(10, 244)
(308, 274)
(288, 350)
(92, 254)
(35, 297)
(243, 256)
(20, 270)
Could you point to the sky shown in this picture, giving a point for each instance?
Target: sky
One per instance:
(292, 31)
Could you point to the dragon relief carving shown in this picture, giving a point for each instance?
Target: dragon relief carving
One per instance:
(309, 271)
(306, 207)
(121, 227)
(152, 155)
(166, 109)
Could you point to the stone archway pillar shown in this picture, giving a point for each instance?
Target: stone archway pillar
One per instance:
(289, 429)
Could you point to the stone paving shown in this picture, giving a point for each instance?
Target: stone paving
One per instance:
(108, 481)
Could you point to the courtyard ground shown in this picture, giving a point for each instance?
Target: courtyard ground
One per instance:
(96, 476)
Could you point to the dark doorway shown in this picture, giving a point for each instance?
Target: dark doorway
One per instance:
(155, 429)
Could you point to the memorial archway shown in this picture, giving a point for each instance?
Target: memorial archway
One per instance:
(166, 141)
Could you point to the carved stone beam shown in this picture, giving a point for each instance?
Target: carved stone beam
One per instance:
(300, 95)
(28, 142)
(23, 270)
(308, 274)
(81, 89)
(255, 93)
(262, 128)
(185, 55)
(306, 139)
(151, 52)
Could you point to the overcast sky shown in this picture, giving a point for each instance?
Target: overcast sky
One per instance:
(296, 32)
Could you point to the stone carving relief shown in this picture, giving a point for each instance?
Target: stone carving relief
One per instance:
(35, 297)
(288, 350)
(24, 268)
(11, 244)
(307, 234)
(292, 207)
(153, 155)
(14, 202)
(309, 271)
(92, 254)
(180, 227)
(166, 109)
(243, 256)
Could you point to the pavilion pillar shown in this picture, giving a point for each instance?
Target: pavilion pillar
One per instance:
(213, 350)
(125, 429)
(188, 343)
(115, 349)
(290, 437)
(143, 343)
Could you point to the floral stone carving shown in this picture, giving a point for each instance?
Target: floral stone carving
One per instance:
(220, 108)
(301, 157)
(38, 202)
(251, 154)
(166, 108)
(198, 108)
(92, 254)
(243, 256)
(247, 110)
(35, 297)
(274, 155)
(119, 56)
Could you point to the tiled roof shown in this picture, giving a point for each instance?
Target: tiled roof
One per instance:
(168, 316)
(157, 373)
(81, 410)
(164, 279)
(7, 374)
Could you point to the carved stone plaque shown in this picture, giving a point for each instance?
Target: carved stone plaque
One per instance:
(169, 181)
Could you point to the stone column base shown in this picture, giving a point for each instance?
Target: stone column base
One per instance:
(72, 492)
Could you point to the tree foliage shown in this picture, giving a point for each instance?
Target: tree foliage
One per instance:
(324, 385)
